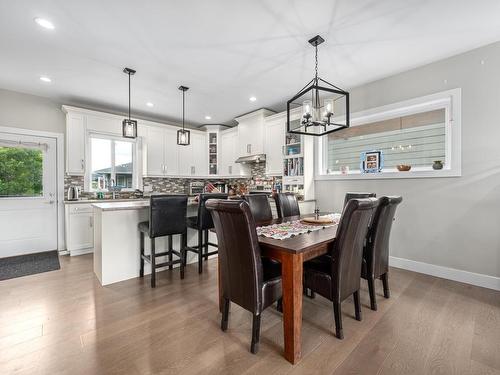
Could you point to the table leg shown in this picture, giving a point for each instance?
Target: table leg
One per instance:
(292, 265)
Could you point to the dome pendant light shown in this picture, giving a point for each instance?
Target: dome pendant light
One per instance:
(183, 135)
(324, 107)
(129, 126)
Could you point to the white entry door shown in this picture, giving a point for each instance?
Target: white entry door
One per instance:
(28, 200)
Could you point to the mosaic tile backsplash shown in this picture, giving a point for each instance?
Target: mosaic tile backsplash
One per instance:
(169, 184)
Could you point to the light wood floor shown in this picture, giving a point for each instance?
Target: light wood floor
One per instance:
(65, 322)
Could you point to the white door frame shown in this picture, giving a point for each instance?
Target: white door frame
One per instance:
(59, 137)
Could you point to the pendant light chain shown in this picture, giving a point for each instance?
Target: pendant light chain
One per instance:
(129, 95)
(183, 108)
(316, 63)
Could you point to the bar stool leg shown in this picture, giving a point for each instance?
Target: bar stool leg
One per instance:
(171, 266)
(183, 254)
(153, 263)
(205, 235)
(200, 251)
(141, 270)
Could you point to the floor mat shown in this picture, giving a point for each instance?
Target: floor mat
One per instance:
(29, 264)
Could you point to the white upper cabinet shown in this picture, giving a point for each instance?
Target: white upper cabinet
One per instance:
(228, 152)
(171, 153)
(154, 145)
(193, 158)
(251, 132)
(274, 137)
(75, 144)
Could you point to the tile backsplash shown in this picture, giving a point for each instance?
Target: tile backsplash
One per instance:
(170, 184)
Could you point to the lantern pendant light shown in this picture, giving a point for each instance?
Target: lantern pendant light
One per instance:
(183, 135)
(324, 108)
(129, 126)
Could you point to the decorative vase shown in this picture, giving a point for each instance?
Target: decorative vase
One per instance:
(438, 164)
(403, 167)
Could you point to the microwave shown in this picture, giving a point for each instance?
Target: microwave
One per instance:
(196, 187)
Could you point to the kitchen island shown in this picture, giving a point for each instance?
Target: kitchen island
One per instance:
(116, 239)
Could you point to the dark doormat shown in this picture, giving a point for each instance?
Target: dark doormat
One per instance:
(29, 264)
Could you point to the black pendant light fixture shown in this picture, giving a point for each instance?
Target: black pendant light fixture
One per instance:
(325, 107)
(129, 126)
(183, 135)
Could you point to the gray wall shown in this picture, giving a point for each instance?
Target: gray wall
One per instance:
(451, 222)
(30, 112)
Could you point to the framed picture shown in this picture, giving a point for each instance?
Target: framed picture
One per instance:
(371, 162)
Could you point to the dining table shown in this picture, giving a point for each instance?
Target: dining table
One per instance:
(292, 253)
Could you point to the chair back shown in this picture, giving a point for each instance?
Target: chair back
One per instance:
(286, 204)
(239, 253)
(347, 251)
(204, 218)
(167, 215)
(377, 246)
(259, 206)
(353, 195)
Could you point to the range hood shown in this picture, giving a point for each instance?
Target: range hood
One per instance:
(257, 158)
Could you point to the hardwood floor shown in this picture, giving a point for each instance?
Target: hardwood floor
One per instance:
(65, 322)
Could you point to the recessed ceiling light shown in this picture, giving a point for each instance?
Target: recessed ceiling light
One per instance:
(208, 117)
(149, 104)
(45, 79)
(253, 98)
(44, 23)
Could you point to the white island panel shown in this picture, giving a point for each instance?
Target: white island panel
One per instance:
(117, 241)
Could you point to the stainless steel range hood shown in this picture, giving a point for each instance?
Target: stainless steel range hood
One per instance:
(257, 158)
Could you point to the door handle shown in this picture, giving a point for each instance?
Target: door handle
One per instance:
(50, 202)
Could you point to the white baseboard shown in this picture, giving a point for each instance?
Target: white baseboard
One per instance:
(81, 252)
(485, 281)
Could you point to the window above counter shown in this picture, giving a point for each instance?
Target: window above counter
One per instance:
(422, 135)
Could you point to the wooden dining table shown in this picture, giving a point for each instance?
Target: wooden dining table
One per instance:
(292, 253)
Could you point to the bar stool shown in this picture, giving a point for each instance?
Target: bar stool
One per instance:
(167, 217)
(203, 223)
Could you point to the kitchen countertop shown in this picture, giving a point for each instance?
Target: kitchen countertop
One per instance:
(89, 201)
(138, 204)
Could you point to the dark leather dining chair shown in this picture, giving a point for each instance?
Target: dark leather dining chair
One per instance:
(202, 222)
(376, 251)
(259, 206)
(286, 204)
(246, 279)
(355, 195)
(338, 275)
(167, 217)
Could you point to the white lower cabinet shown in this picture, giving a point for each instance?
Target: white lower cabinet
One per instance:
(79, 228)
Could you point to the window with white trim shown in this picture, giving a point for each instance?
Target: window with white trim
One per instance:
(112, 163)
(423, 134)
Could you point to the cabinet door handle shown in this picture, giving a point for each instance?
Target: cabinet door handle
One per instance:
(249, 148)
(82, 163)
(91, 221)
(193, 169)
(164, 168)
(230, 169)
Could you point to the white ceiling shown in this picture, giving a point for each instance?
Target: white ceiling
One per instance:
(224, 50)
